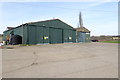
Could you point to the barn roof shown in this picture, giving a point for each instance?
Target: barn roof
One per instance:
(9, 28)
(55, 23)
(82, 29)
(49, 23)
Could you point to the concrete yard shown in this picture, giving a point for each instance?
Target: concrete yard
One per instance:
(68, 60)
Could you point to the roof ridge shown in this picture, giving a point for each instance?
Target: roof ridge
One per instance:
(41, 21)
(82, 29)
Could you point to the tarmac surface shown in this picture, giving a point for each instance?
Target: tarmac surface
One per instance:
(68, 60)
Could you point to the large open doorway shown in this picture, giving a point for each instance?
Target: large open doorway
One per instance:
(16, 39)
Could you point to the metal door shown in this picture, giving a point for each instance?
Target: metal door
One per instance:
(32, 35)
(55, 35)
(39, 35)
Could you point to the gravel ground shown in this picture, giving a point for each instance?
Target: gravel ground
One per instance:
(68, 60)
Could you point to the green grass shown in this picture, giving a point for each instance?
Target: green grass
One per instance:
(111, 41)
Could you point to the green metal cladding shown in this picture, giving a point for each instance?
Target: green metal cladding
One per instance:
(50, 31)
(18, 31)
(83, 37)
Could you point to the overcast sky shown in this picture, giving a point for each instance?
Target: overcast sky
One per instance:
(101, 18)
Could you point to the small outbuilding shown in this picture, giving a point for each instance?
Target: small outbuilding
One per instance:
(82, 33)
(49, 31)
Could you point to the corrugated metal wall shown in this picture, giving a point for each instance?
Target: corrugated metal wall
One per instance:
(83, 37)
(25, 35)
(38, 34)
(68, 35)
(87, 37)
(16, 31)
(74, 36)
(56, 35)
(46, 34)
(32, 35)
(51, 32)
(42, 34)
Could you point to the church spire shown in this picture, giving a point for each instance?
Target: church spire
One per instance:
(80, 20)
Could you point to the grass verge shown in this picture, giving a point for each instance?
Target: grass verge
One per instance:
(116, 41)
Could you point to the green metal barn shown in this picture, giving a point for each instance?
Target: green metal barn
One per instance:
(49, 31)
